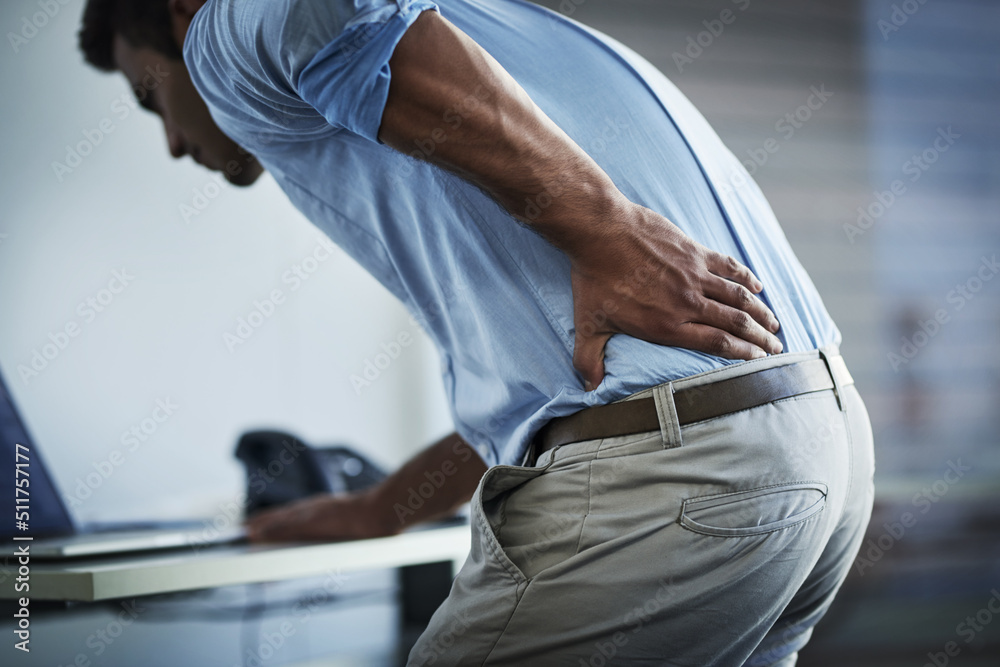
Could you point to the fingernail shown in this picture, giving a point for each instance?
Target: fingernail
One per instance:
(759, 354)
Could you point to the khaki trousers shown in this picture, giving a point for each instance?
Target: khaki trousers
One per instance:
(722, 542)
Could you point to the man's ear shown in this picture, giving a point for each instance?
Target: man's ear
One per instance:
(181, 13)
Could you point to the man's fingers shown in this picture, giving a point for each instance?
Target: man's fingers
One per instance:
(716, 341)
(269, 527)
(263, 528)
(727, 267)
(741, 325)
(292, 522)
(588, 357)
(739, 297)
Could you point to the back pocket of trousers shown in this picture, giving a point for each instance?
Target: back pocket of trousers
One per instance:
(755, 511)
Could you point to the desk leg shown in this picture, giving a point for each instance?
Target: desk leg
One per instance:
(422, 589)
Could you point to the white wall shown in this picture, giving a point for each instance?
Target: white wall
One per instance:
(63, 236)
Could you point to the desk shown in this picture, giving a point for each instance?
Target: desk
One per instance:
(123, 576)
(67, 633)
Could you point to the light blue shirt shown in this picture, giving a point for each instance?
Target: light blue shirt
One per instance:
(302, 84)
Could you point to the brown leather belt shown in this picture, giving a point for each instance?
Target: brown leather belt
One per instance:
(695, 404)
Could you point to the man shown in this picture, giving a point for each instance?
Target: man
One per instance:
(514, 179)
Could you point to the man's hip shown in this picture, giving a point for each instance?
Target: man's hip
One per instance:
(679, 546)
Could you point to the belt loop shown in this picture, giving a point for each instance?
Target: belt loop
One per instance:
(666, 411)
(826, 353)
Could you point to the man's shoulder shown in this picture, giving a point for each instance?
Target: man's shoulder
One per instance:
(275, 37)
(243, 57)
(234, 31)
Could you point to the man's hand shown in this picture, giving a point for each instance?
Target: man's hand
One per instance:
(686, 295)
(671, 291)
(326, 517)
(450, 466)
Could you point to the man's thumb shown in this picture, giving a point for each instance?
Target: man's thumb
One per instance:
(588, 358)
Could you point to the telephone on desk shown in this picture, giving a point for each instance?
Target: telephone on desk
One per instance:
(281, 468)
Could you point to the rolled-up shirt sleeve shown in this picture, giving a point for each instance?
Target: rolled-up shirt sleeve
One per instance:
(347, 81)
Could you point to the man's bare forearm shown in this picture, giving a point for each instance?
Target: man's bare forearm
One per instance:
(431, 485)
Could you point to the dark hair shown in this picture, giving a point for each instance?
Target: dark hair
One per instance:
(142, 23)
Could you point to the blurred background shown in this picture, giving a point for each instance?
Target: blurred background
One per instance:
(871, 125)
